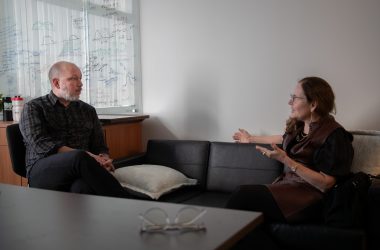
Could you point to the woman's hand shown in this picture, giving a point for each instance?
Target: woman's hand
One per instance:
(319, 180)
(277, 153)
(242, 136)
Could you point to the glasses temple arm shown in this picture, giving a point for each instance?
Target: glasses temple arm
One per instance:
(196, 217)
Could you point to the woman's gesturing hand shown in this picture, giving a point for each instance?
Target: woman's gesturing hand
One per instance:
(242, 136)
(277, 153)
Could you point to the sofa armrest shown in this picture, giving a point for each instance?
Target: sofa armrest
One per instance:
(129, 161)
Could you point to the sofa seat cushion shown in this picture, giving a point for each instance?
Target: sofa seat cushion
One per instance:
(182, 195)
(151, 180)
(373, 219)
(210, 199)
(317, 237)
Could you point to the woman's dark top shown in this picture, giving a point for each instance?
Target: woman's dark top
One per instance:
(328, 149)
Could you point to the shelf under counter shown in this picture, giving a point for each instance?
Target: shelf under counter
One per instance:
(123, 134)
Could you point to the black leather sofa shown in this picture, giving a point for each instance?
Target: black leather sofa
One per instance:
(220, 167)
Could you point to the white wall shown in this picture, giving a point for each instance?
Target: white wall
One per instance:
(212, 66)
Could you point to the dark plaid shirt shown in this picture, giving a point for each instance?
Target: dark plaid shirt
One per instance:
(47, 125)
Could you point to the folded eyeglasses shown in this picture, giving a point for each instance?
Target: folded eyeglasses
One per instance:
(157, 220)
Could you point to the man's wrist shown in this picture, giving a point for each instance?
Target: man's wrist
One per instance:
(104, 155)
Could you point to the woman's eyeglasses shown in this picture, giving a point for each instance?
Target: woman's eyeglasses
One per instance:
(157, 220)
(293, 97)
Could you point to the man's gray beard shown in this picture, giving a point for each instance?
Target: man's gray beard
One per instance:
(68, 97)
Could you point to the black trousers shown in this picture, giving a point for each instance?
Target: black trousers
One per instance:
(74, 171)
(256, 198)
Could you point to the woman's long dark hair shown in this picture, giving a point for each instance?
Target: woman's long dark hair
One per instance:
(315, 89)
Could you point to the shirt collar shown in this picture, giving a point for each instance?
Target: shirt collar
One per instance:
(52, 98)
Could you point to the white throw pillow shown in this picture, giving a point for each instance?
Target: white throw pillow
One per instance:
(151, 180)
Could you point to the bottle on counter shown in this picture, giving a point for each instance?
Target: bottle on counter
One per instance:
(17, 106)
(7, 111)
(1, 105)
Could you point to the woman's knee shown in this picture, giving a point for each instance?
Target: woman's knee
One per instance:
(246, 197)
(237, 198)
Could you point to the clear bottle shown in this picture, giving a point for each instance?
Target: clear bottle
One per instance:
(17, 106)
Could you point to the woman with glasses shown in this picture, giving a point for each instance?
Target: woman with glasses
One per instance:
(315, 150)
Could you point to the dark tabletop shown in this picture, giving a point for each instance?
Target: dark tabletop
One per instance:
(37, 219)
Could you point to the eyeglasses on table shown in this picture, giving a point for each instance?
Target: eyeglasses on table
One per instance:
(156, 219)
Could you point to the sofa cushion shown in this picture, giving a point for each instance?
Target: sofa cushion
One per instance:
(186, 156)
(373, 219)
(151, 180)
(367, 151)
(232, 164)
(316, 237)
(209, 199)
(182, 195)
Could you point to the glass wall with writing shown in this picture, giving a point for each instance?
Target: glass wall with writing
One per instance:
(100, 36)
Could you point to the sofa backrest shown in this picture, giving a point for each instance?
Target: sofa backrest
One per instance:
(233, 164)
(366, 151)
(187, 156)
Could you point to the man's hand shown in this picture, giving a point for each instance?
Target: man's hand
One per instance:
(107, 162)
(104, 161)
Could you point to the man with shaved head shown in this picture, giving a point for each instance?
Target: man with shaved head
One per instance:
(65, 147)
